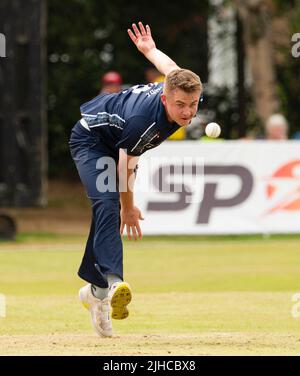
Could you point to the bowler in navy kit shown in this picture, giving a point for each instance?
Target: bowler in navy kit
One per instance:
(114, 130)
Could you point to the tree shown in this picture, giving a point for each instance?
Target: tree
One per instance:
(269, 26)
(256, 16)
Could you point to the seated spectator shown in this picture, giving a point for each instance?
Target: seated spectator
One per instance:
(276, 128)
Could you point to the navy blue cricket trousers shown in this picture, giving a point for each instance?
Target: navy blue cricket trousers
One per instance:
(104, 249)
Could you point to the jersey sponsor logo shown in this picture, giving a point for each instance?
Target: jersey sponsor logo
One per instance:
(147, 89)
(153, 91)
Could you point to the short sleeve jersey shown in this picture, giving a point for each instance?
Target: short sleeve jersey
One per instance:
(134, 119)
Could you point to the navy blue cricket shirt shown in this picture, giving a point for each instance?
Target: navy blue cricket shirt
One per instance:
(134, 119)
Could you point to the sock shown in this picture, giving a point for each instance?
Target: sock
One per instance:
(99, 292)
(112, 278)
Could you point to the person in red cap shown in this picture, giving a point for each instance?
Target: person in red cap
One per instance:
(111, 82)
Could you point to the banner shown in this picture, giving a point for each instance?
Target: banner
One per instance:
(220, 187)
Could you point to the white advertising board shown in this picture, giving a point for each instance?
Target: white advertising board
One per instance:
(230, 187)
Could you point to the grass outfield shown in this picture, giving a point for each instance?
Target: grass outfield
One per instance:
(192, 296)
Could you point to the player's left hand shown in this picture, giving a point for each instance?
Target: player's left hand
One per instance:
(141, 37)
(130, 219)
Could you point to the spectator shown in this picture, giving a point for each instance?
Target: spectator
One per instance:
(276, 128)
(111, 82)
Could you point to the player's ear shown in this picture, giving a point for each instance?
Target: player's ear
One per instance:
(163, 99)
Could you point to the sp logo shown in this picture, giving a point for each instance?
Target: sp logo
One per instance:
(211, 198)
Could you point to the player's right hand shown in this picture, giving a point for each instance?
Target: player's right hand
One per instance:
(130, 218)
(142, 37)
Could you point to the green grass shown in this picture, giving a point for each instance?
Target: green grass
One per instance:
(192, 295)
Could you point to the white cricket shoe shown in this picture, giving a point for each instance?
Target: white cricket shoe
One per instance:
(120, 296)
(99, 310)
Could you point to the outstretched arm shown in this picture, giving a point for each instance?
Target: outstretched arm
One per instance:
(144, 42)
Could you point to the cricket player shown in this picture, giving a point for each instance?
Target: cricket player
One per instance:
(115, 129)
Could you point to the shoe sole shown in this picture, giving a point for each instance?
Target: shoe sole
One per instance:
(121, 298)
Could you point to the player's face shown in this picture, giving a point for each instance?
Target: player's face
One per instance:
(180, 106)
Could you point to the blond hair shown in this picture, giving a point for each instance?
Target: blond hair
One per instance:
(183, 79)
